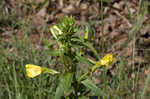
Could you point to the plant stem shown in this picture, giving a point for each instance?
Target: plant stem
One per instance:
(102, 41)
(102, 28)
(75, 85)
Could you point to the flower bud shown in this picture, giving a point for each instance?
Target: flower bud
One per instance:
(33, 70)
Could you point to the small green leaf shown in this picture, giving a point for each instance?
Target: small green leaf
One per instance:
(64, 85)
(90, 85)
(59, 92)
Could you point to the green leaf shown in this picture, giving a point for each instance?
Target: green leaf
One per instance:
(90, 46)
(83, 60)
(64, 85)
(90, 85)
(87, 44)
(59, 92)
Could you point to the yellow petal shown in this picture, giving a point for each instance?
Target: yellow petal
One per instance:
(33, 70)
(106, 60)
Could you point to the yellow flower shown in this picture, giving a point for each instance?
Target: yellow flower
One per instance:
(33, 70)
(106, 60)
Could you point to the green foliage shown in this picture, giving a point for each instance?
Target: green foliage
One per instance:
(71, 53)
(90, 85)
(64, 31)
(64, 85)
(14, 82)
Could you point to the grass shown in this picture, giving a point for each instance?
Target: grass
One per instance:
(14, 83)
(15, 53)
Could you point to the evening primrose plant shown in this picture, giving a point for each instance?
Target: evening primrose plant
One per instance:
(74, 83)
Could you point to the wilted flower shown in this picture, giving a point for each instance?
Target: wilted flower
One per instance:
(106, 60)
(33, 70)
